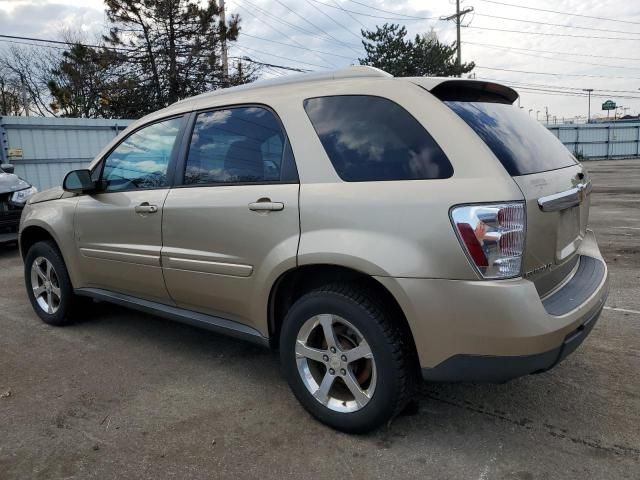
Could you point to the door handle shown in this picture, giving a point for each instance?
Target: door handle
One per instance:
(266, 205)
(144, 207)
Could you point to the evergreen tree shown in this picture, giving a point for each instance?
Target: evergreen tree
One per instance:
(173, 48)
(389, 49)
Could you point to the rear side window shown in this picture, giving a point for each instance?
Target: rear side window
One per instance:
(522, 145)
(239, 145)
(371, 138)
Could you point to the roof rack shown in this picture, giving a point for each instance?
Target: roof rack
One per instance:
(352, 71)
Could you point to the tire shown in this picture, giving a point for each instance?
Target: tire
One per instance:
(64, 304)
(354, 317)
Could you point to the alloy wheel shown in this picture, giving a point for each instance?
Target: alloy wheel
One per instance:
(45, 285)
(335, 363)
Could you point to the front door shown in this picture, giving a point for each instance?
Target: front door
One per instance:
(119, 230)
(233, 224)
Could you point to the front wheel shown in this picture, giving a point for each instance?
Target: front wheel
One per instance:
(48, 285)
(345, 360)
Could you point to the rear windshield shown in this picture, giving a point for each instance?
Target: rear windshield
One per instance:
(371, 138)
(522, 145)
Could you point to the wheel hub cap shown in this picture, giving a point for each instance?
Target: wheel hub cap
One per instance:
(45, 285)
(335, 363)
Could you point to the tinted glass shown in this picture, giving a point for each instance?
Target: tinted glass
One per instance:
(521, 144)
(371, 138)
(141, 160)
(237, 145)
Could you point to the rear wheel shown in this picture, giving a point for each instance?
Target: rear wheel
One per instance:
(344, 359)
(48, 285)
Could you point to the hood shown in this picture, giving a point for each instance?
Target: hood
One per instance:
(50, 194)
(11, 183)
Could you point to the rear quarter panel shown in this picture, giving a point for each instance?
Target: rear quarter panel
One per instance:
(392, 228)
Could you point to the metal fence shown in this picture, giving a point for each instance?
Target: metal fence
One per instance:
(600, 140)
(44, 149)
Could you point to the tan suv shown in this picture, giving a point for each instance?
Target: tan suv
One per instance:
(371, 228)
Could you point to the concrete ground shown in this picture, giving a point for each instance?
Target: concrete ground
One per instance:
(127, 395)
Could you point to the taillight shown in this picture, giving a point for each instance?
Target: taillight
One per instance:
(493, 236)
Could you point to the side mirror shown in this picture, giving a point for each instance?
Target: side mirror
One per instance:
(79, 181)
(7, 167)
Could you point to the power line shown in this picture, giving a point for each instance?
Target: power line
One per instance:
(560, 13)
(294, 46)
(561, 87)
(556, 24)
(352, 17)
(547, 89)
(9, 39)
(312, 24)
(557, 59)
(333, 19)
(548, 34)
(555, 52)
(284, 35)
(408, 17)
(371, 15)
(291, 25)
(243, 47)
(557, 74)
(68, 44)
(575, 94)
(272, 66)
(32, 44)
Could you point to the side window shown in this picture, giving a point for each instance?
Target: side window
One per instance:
(142, 159)
(237, 145)
(371, 138)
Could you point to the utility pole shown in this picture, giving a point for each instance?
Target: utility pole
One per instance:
(458, 19)
(225, 59)
(546, 110)
(589, 111)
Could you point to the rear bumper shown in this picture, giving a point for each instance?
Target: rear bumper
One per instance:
(499, 369)
(498, 330)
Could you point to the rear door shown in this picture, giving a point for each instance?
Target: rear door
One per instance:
(553, 183)
(233, 223)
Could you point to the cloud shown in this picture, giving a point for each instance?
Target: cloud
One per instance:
(313, 35)
(49, 20)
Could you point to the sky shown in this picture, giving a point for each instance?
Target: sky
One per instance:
(548, 57)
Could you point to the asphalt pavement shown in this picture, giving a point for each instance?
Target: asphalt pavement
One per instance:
(128, 395)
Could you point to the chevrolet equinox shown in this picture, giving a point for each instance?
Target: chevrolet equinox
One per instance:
(373, 229)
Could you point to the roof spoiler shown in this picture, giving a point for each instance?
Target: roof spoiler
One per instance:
(474, 91)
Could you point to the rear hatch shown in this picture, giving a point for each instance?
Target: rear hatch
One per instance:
(553, 183)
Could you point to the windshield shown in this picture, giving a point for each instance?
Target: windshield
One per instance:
(522, 144)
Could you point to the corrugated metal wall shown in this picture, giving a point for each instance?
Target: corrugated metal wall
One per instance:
(600, 140)
(53, 146)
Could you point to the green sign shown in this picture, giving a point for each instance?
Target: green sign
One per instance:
(609, 105)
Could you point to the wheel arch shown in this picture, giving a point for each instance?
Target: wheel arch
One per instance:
(297, 281)
(33, 234)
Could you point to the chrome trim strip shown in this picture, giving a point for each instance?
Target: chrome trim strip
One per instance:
(207, 266)
(563, 200)
(129, 257)
(196, 319)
